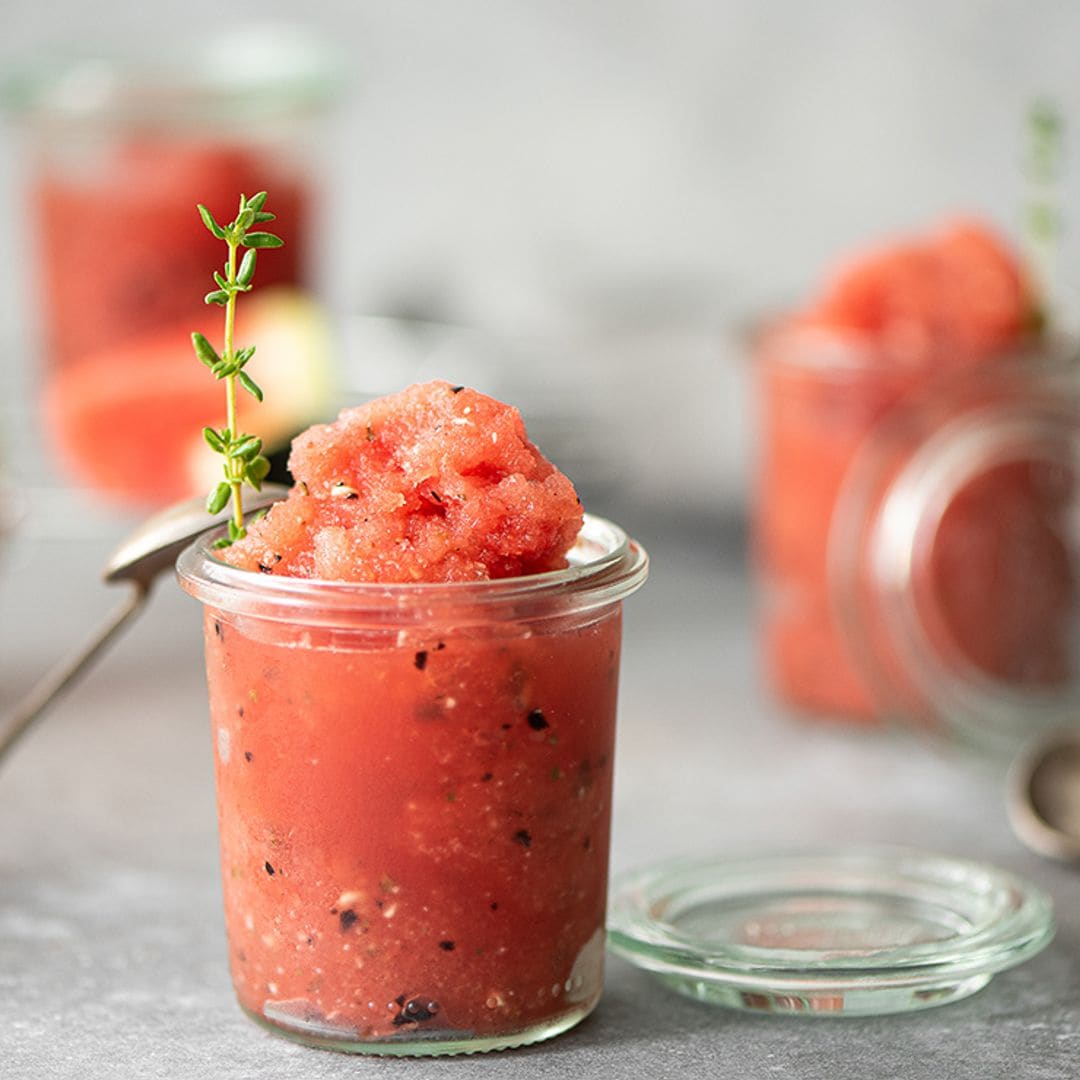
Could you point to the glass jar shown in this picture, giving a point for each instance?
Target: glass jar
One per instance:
(916, 537)
(820, 395)
(414, 789)
(118, 152)
(954, 556)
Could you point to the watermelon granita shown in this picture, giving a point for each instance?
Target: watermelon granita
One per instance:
(437, 483)
(890, 326)
(412, 664)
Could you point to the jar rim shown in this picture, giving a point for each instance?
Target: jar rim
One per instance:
(266, 70)
(838, 354)
(606, 565)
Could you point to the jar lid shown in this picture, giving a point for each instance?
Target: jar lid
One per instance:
(851, 933)
(955, 554)
(262, 70)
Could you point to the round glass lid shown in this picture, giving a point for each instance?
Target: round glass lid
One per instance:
(845, 933)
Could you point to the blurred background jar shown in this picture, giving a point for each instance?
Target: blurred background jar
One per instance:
(119, 150)
(954, 553)
(915, 500)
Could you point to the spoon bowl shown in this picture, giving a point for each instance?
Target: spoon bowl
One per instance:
(139, 559)
(154, 546)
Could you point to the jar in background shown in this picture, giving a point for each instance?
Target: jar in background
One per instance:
(820, 394)
(119, 152)
(916, 537)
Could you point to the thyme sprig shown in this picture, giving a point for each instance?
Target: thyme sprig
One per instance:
(1043, 210)
(244, 461)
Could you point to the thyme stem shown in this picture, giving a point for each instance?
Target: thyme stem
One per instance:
(244, 462)
(236, 482)
(1043, 224)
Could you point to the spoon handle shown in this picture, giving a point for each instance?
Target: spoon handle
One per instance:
(50, 685)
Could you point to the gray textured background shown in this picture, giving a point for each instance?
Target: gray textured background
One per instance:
(535, 167)
(509, 154)
(543, 167)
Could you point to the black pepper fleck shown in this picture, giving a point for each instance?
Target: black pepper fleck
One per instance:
(440, 646)
(487, 776)
(456, 389)
(420, 660)
(523, 837)
(415, 1010)
(248, 755)
(537, 721)
(446, 946)
(494, 905)
(268, 868)
(347, 919)
(217, 629)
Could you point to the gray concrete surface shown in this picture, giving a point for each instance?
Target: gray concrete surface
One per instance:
(111, 945)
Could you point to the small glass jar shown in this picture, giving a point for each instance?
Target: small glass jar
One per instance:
(917, 537)
(820, 395)
(414, 790)
(119, 150)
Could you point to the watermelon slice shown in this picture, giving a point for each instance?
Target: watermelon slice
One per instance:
(128, 422)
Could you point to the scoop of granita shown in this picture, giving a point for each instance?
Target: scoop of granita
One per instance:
(436, 483)
(957, 295)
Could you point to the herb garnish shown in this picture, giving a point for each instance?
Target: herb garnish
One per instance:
(1043, 213)
(244, 461)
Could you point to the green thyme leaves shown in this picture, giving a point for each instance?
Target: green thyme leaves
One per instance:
(226, 368)
(243, 460)
(262, 240)
(210, 223)
(204, 350)
(1043, 210)
(218, 498)
(250, 385)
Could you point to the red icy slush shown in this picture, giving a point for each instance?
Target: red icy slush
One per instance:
(413, 681)
(437, 483)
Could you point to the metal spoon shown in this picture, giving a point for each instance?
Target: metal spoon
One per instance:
(1044, 796)
(140, 559)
